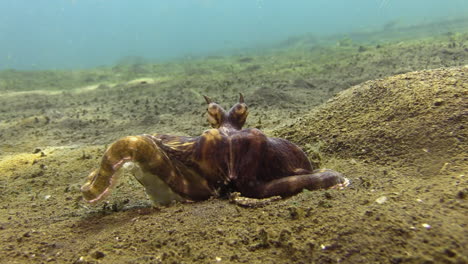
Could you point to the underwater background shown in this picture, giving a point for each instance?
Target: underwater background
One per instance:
(71, 34)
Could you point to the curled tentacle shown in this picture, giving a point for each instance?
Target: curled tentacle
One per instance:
(158, 169)
(129, 149)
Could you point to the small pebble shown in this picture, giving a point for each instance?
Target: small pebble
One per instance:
(80, 260)
(438, 101)
(450, 253)
(427, 226)
(98, 254)
(381, 199)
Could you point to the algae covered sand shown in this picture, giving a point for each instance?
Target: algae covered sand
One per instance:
(401, 140)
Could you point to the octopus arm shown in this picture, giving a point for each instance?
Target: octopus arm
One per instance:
(284, 170)
(160, 170)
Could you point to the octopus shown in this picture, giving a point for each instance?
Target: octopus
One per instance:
(222, 160)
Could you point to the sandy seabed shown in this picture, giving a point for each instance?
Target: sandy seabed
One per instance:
(372, 112)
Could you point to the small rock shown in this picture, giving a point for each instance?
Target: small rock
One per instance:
(381, 199)
(98, 254)
(438, 101)
(231, 242)
(427, 226)
(450, 253)
(80, 260)
(462, 194)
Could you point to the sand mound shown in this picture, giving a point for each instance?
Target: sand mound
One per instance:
(413, 118)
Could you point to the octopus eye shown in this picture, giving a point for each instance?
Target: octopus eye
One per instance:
(241, 109)
(213, 109)
(215, 114)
